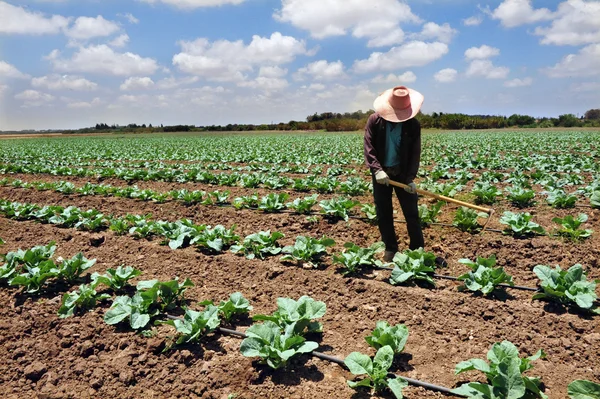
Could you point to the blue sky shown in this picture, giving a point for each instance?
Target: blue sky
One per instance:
(70, 64)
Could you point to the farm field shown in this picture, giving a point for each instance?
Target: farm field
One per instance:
(153, 202)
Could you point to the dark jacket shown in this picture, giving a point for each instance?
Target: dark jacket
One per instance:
(410, 147)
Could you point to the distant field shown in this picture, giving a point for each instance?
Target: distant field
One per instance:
(153, 202)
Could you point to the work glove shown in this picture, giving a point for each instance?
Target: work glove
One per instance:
(382, 178)
(411, 188)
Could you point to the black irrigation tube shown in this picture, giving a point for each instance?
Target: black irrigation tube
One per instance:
(442, 277)
(340, 362)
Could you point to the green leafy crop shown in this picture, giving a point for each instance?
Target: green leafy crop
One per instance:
(560, 199)
(303, 205)
(71, 269)
(376, 371)
(236, 305)
(354, 257)
(466, 219)
(520, 225)
(520, 196)
(570, 227)
(337, 208)
(300, 313)
(504, 375)
(393, 336)
(307, 249)
(259, 245)
(267, 342)
(116, 279)
(485, 193)
(194, 325)
(413, 265)
(273, 202)
(583, 389)
(428, 216)
(569, 287)
(484, 277)
(83, 299)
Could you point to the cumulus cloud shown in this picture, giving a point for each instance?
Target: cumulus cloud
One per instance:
(34, 98)
(408, 55)
(518, 82)
(137, 83)
(585, 63)
(272, 72)
(87, 27)
(129, 17)
(475, 20)
(172, 82)
(102, 59)
(190, 4)
(84, 104)
(576, 22)
(480, 53)
(322, 70)
(64, 82)
(446, 75)
(432, 31)
(339, 17)
(10, 71)
(265, 83)
(18, 20)
(225, 60)
(120, 41)
(513, 13)
(396, 80)
(486, 69)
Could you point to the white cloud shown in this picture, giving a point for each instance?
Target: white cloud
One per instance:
(34, 98)
(377, 20)
(475, 20)
(120, 41)
(190, 4)
(408, 55)
(172, 82)
(3, 89)
(129, 17)
(86, 28)
(513, 13)
(137, 83)
(585, 87)
(103, 60)
(265, 83)
(18, 20)
(486, 69)
(585, 63)
(225, 60)
(84, 104)
(432, 31)
(446, 75)
(316, 86)
(65, 82)
(480, 53)
(322, 70)
(272, 72)
(10, 71)
(518, 82)
(396, 80)
(577, 22)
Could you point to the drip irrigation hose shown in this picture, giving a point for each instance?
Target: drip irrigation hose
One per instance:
(340, 362)
(442, 277)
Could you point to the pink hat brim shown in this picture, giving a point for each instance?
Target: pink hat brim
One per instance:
(382, 106)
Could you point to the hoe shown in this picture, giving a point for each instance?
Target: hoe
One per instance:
(489, 211)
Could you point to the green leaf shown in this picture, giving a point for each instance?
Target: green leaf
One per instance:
(509, 378)
(583, 389)
(396, 385)
(472, 364)
(359, 364)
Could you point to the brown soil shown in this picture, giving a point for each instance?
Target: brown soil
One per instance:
(44, 356)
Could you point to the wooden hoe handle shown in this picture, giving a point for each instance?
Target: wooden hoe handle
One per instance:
(444, 198)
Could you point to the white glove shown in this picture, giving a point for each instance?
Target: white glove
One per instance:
(382, 178)
(412, 188)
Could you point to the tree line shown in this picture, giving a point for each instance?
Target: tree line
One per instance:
(352, 121)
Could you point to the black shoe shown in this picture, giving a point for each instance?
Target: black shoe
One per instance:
(440, 262)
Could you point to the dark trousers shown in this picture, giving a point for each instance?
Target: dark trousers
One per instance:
(385, 217)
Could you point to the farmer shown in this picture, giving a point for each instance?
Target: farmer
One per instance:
(392, 147)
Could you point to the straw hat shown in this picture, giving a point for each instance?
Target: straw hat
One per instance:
(398, 104)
